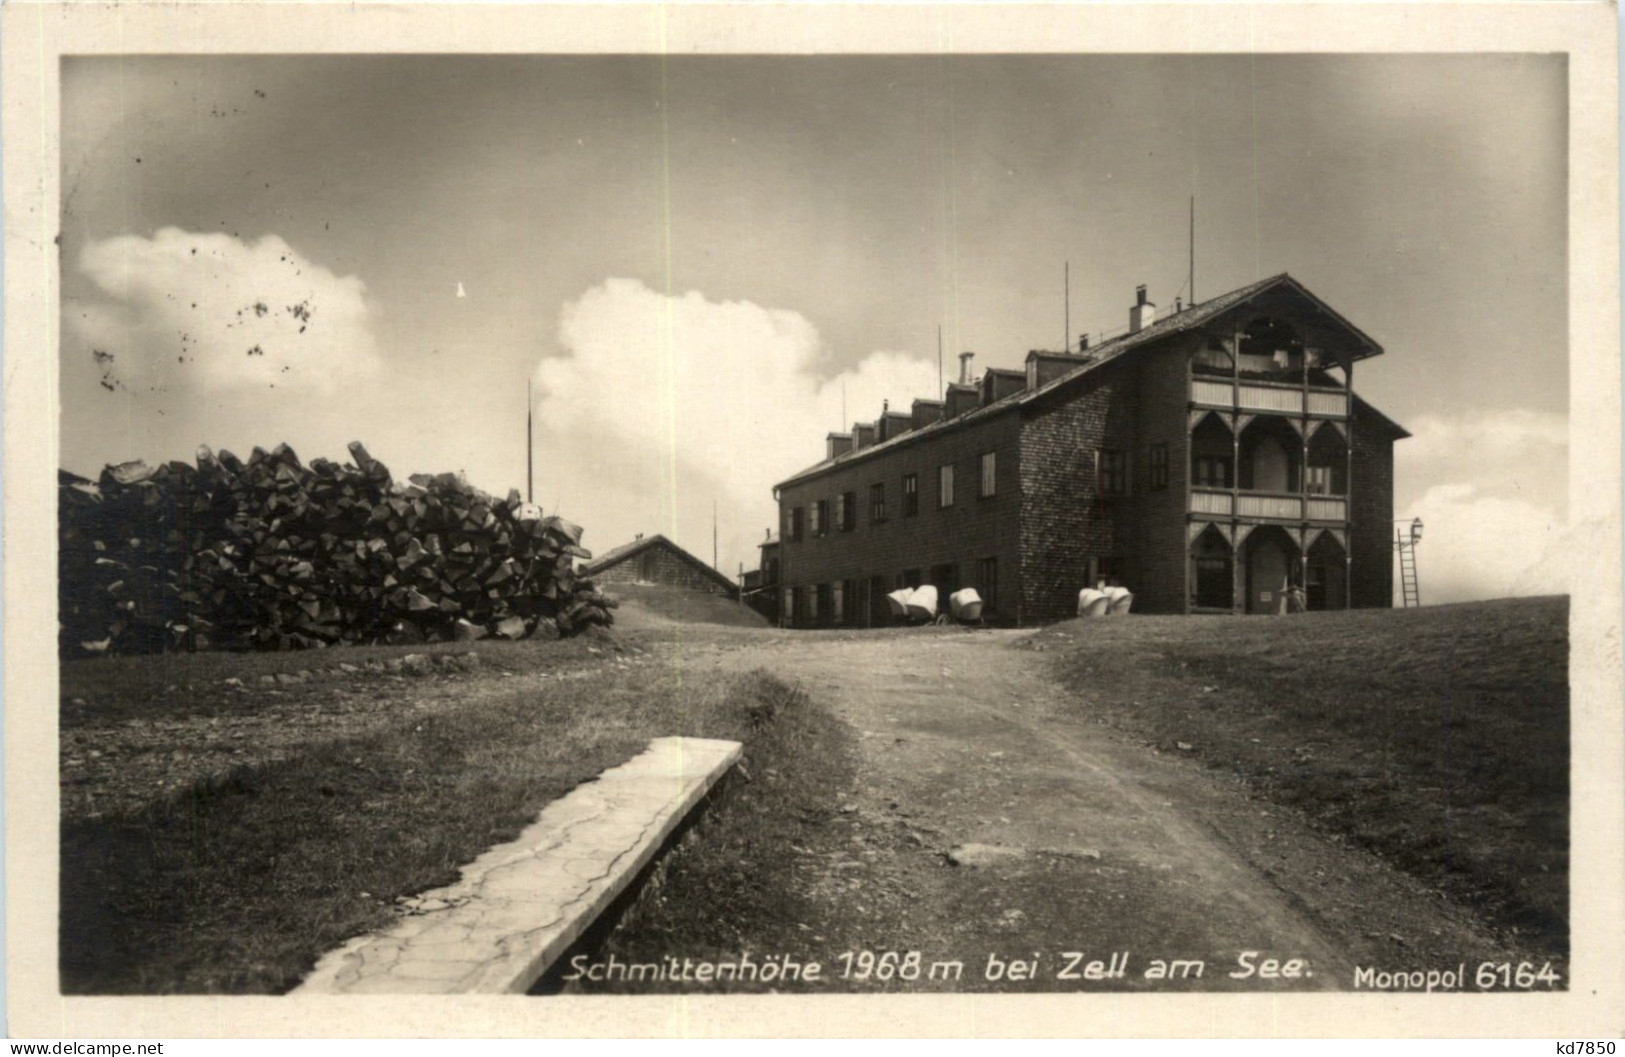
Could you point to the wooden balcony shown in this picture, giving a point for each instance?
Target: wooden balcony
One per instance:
(1269, 399)
(1275, 506)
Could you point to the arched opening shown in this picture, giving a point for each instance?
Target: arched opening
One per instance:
(1212, 576)
(1271, 456)
(1325, 584)
(1328, 463)
(1212, 454)
(1271, 561)
(1271, 347)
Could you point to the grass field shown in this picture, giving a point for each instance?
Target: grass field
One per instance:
(233, 873)
(1436, 737)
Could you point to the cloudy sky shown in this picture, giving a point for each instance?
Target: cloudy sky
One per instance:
(702, 260)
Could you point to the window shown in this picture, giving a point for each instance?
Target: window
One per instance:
(987, 582)
(809, 607)
(1159, 467)
(910, 579)
(787, 608)
(1212, 471)
(1320, 480)
(837, 606)
(945, 486)
(846, 505)
(990, 474)
(877, 502)
(911, 494)
(820, 517)
(793, 526)
(1111, 472)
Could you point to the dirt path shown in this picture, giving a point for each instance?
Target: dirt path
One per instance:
(1091, 845)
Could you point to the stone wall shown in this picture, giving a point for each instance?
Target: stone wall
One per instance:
(1067, 527)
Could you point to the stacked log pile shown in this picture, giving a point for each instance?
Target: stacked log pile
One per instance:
(269, 553)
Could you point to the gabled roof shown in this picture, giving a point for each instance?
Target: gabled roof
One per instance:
(638, 546)
(1190, 318)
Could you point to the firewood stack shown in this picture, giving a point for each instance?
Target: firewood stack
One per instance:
(269, 553)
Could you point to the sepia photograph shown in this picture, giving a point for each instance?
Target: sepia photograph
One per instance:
(646, 522)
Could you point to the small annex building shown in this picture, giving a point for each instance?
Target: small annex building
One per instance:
(657, 560)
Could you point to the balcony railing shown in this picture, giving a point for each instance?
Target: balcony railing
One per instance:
(1210, 502)
(1322, 403)
(1269, 398)
(1261, 504)
(1328, 405)
(1328, 508)
(1212, 394)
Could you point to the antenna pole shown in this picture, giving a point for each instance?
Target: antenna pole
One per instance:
(530, 458)
(1066, 336)
(1193, 250)
(714, 535)
(942, 391)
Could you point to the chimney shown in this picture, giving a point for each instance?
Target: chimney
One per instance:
(964, 368)
(1143, 314)
(1083, 343)
(838, 444)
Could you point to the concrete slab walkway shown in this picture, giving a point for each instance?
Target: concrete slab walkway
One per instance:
(520, 905)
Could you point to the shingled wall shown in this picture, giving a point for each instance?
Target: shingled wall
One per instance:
(1371, 533)
(658, 564)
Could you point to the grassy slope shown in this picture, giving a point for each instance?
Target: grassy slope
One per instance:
(640, 602)
(1437, 737)
(237, 882)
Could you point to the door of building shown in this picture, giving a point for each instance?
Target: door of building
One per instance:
(1267, 564)
(1214, 583)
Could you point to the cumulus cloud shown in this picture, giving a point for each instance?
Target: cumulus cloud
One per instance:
(663, 405)
(1494, 500)
(182, 312)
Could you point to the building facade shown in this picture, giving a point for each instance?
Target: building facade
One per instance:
(1210, 462)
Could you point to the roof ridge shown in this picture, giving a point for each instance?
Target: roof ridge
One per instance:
(1107, 351)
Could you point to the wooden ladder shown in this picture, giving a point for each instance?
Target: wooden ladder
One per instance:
(1410, 593)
